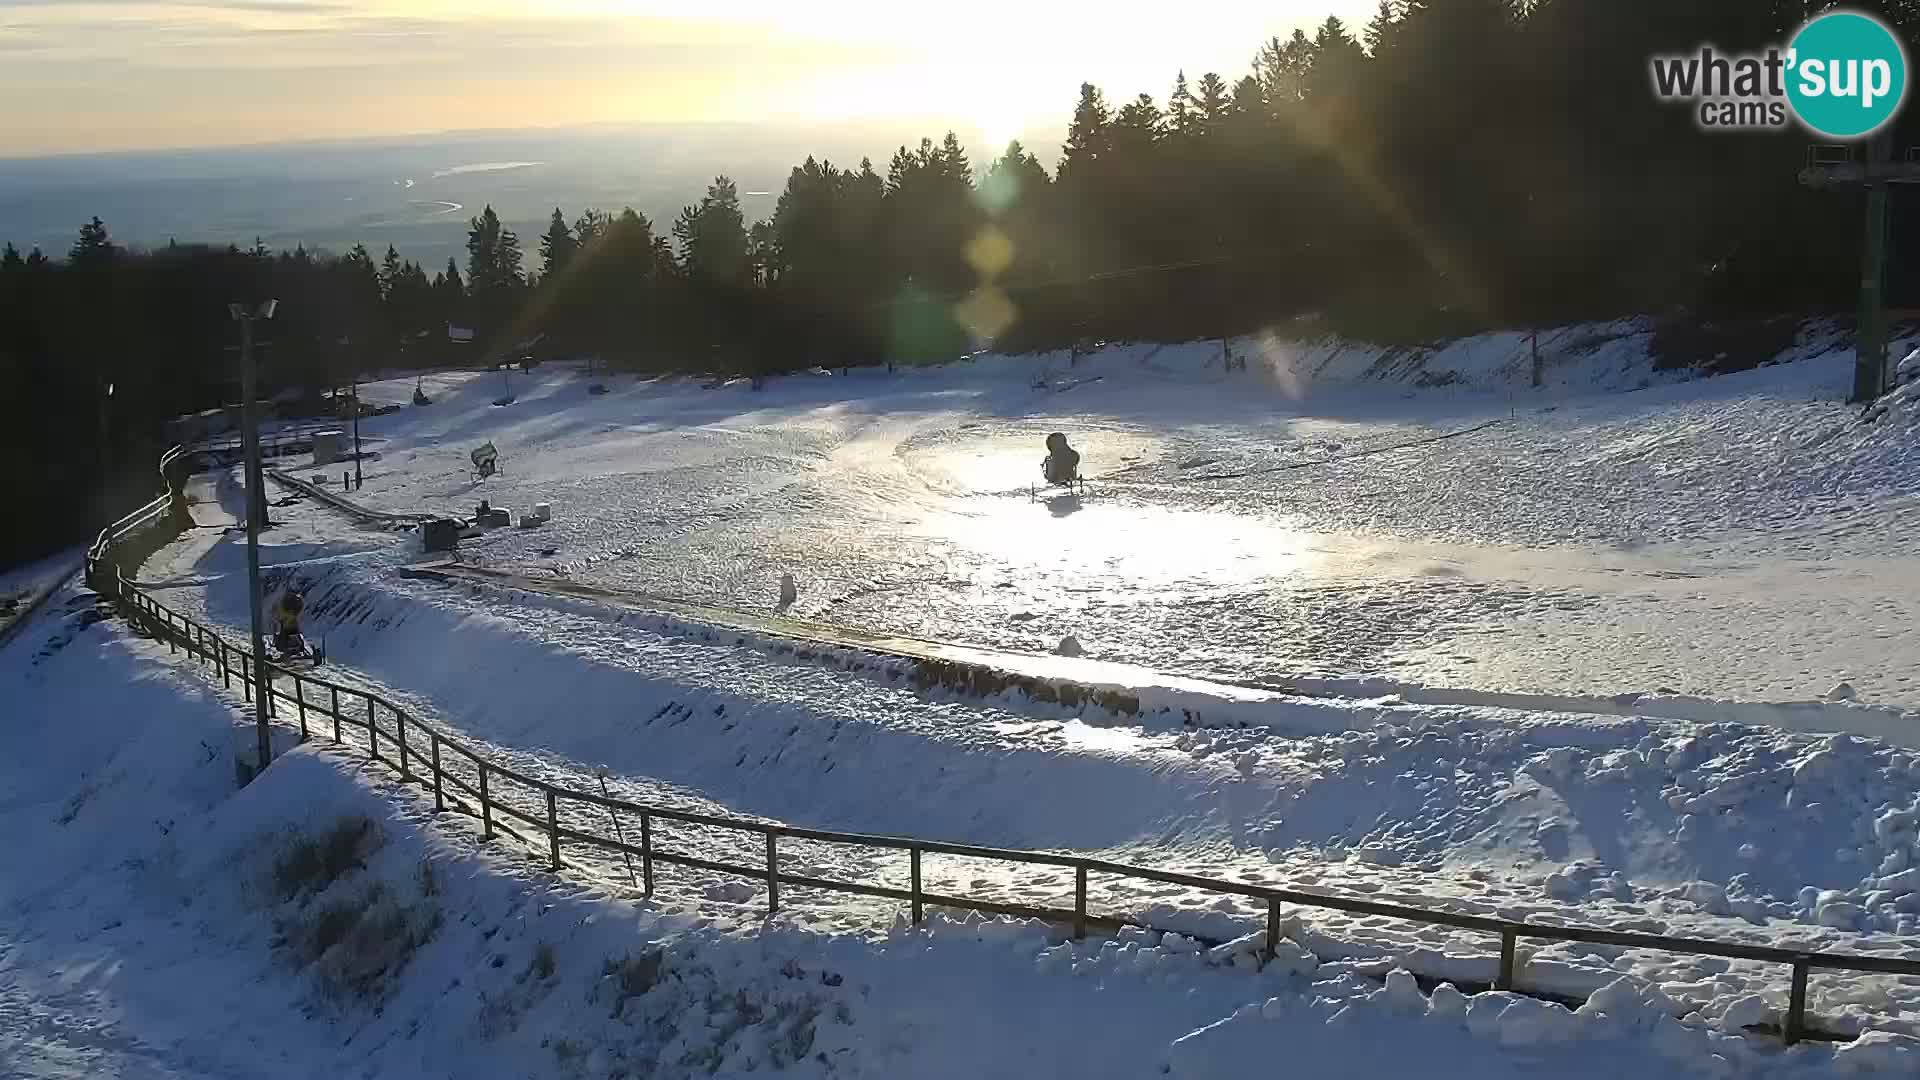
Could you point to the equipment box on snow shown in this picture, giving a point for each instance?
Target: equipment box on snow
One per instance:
(441, 534)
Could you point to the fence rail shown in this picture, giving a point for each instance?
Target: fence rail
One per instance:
(424, 756)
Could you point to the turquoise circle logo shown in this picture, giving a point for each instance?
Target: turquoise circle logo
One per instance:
(1848, 74)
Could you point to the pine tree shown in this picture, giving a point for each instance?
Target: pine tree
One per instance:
(447, 287)
(10, 259)
(37, 259)
(93, 246)
(1380, 33)
(713, 235)
(483, 250)
(953, 162)
(390, 270)
(1016, 178)
(1087, 137)
(1214, 103)
(1249, 100)
(508, 273)
(1337, 57)
(590, 226)
(1137, 125)
(1181, 115)
(557, 246)
(1282, 69)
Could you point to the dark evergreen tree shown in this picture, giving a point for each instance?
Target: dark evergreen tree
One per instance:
(93, 246)
(557, 246)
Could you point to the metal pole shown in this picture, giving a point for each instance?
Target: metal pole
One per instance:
(256, 510)
(1870, 347)
(356, 431)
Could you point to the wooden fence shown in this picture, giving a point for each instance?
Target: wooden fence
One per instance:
(449, 768)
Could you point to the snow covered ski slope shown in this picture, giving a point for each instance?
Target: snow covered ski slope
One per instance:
(1556, 656)
(1739, 537)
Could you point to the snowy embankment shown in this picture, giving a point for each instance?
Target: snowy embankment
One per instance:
(1652, 825)
(327, 925)
(25, 588)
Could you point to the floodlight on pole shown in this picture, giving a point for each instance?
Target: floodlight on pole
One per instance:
(256, 512)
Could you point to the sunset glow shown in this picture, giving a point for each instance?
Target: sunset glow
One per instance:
(111, 74)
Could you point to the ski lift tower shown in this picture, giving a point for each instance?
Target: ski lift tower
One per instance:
(1874, 168)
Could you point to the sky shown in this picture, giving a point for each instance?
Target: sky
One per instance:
(80, 76)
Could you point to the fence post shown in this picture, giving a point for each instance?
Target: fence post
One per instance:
(400, 722)
(1508, 939)
(433, 742)
(913, 881)
(553, 828)
(646, 852)
(773, 876)
(335, 692)
(373, 731)
(1273, 929)
(1079, 901)
(1796, 1024)
(300, 699)
(486, 806)
(246, 677)
(225, 682)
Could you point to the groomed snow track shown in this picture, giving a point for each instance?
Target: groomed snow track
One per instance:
(442, 756)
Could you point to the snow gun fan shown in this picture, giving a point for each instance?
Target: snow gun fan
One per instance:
(486, 461)
(1060, 470)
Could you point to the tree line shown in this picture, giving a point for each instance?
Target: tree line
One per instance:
(1449, 166)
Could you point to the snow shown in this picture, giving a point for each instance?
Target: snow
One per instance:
(25, 587)
(1723, 539)
(150, 874)
(1379, 633)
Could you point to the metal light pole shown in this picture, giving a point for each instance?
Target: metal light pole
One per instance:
(356, 431)
(256, 511)
(1838, 167)
(1870, 348)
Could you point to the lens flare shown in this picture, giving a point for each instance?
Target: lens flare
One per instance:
(986, 313)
